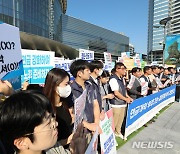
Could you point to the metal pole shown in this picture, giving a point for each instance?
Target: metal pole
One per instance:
(164, 44)
(14, 14)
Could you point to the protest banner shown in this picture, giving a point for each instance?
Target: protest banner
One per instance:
(143, 109)
(79, 105)
(92, 147)
(36, 65)
(86, 54)
(107, 138)
(10, 52)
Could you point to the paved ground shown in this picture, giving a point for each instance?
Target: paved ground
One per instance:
(165, 132)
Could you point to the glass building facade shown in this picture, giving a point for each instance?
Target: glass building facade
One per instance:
(80, 34)
(174, 11)
(158, 9)
(39, 17)
(46, 20)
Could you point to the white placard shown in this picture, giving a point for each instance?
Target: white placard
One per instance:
(86, 54)
(10, 52)
(79, 105)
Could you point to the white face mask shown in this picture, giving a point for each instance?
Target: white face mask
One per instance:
(64, 91)
(100, 72)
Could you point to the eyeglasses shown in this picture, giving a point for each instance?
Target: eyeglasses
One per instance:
(49, 121)
(123, 68)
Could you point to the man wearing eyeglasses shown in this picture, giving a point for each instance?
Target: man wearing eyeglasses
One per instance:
(119, 103)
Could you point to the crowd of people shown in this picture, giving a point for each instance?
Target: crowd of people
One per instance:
(40, 120)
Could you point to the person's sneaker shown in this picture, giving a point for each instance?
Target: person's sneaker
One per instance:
(125, 138)
(116, 143)
(119, 135)
(145, 125)
(152, 120)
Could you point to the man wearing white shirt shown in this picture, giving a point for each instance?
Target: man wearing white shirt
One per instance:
(134, 89)
(145, 79)
(121, 99)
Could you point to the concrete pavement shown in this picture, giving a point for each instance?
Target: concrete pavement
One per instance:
(160, 137)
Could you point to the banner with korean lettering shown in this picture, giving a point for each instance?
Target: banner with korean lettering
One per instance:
(57, 61)
(64, 64)
(107, 138)
(108, 61)
(142, 110)
(10, 52)
(36, 65)
(86, 54)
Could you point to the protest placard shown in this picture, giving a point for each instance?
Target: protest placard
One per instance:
(108, 61)
(159, 83)
(10, 52)
(144, 88)
(167, 82)
(86, 54)
(107, 138)
(131, 82)
(79, 105)
(36, 65)
(64, 64)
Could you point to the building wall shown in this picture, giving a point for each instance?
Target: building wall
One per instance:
(174, 9)
(80, 34)
(158, 9)
(39, 17)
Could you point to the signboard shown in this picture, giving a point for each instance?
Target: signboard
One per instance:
(108, 61)
(143, 64)
(129, 63)
(86, 54)
(107, 138)
(36, 65)
(10, 52)
(64, 64)
(124, 55)
(120, 59)
(143, 109)
(172, 50)
(57, 61)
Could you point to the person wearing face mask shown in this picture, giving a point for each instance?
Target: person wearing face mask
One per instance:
(104, 84)
(96, 69)
(58, 91)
